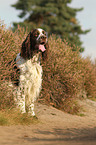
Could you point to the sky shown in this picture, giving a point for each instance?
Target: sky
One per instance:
(86, 18)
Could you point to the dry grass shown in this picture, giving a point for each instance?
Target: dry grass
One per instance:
(10, 44)
(66, 75)
(14, 117)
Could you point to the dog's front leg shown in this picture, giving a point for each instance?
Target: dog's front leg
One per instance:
(31, 109)
(20, 101)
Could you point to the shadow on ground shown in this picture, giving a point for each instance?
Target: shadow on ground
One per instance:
(64, 137)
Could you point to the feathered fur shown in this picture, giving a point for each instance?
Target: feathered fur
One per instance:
(29, 70)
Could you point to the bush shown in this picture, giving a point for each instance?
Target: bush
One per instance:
(10, 44)
(66, 75)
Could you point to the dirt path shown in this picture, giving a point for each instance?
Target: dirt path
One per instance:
(55, 128)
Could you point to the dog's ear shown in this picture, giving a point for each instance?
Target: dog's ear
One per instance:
(26, 47)
(45, 53)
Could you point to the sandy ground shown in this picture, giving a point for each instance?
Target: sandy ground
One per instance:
(54, 128)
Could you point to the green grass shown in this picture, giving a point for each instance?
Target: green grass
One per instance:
(81, 114)
(3, 120)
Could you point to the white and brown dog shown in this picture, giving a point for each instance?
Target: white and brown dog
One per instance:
(28, 71)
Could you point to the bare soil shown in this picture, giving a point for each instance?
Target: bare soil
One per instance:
(55, 127)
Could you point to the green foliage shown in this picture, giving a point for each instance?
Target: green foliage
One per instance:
(55, 16)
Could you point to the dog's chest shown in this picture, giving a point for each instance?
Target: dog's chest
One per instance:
(30, 69)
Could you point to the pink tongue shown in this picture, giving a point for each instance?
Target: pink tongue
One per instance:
(42, 48)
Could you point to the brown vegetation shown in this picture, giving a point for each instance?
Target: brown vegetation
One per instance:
(66, 75)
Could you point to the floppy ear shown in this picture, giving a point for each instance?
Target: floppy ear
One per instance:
(26, 47)
(45, 53)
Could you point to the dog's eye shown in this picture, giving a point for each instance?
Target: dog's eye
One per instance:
(44, 32)
(36, 34)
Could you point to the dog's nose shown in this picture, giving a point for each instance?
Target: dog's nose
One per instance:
(43, 37)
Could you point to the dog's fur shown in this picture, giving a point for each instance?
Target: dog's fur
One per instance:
(28, 70)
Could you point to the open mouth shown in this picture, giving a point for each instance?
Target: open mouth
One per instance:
(42, 43)
(42, 47)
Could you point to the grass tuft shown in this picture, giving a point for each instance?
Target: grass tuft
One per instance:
(13, 117)
(3, 120)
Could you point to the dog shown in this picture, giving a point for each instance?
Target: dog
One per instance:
(27, 76)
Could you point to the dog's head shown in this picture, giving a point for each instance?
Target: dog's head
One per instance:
(35, 42)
